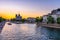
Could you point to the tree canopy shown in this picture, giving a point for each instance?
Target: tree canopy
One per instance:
(2, 19)
(58, 20)
(50, 19)
(39, 19)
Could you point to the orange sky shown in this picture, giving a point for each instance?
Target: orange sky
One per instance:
(8, 9)
(9, 15)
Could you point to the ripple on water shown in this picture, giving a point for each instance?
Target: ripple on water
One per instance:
(28, 32)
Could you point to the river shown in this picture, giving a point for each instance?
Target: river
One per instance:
(28, 32)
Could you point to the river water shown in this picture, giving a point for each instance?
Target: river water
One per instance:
(28, 32)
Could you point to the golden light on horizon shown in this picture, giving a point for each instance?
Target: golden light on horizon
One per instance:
(9, 11)
(10, 15)
(31, 8)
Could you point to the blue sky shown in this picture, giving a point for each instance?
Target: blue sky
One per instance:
(29, 7)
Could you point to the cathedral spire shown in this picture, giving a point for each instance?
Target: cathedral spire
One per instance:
(18, 14)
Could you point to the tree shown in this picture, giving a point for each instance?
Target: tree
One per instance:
(23, 20)
(41, 19)
(58, 20)
(37, 19)
(13, 19)
(2, 19)
(50, 19)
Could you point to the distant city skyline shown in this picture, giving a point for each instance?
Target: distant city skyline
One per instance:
(27, 8)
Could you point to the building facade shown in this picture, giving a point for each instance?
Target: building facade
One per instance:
(18, 17)
(55, 14)
(31, 20)
(45, 18)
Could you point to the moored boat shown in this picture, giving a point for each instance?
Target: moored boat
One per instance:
(9, 24)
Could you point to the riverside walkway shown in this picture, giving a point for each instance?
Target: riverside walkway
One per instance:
(49, 25)
(2, 24)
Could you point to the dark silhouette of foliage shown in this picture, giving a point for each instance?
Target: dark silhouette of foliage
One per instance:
(13, 19)
(2, 19)
(58, 20)
(39, 19)
(50, 19)
(23, 20)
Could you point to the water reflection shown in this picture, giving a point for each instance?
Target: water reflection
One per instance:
(2, 24)
(18, 31)
(50, 33)
(28, 32)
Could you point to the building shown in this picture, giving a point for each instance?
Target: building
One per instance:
(31, 20)
(55, 14)
(45, 18)
(18, 17)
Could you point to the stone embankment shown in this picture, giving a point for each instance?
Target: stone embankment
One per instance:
(2, 24)
(49, 25)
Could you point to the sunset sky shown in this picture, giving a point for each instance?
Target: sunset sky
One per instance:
(27, 8)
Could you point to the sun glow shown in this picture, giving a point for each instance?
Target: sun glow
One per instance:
(8, 10)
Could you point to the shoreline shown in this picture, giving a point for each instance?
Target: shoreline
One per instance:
(49, 25)
(55, 25)
(2, 24)
(22, 22)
